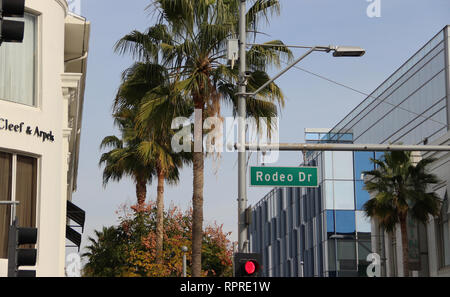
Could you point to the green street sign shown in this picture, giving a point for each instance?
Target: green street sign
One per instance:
(301, 177)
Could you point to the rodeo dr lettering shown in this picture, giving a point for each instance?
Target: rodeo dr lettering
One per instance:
(8, 126)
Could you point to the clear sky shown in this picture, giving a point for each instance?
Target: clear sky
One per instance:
(404, 27)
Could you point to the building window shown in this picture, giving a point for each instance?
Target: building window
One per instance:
(18, 67)
(345, 222)
(363, 163)
(444, 234)
(330, 222)
(362, 196)
(18, 187)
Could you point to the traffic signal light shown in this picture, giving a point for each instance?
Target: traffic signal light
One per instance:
(21, 256)
(247, 265)
(10, 30)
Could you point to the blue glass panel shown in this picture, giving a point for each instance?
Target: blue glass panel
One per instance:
(330, 221)
(363, 163)
(311, 136)
(362, 196)
(345, 137)
(345, 221)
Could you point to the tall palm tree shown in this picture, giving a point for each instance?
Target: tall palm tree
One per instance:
(157, 150)
(124, 158)
(155, 140)
(190, 39)
(401, 188)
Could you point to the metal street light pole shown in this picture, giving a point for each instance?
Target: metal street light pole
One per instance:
(13, 205)
(338, 51)
(242, 111)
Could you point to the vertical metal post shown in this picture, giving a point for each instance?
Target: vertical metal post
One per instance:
(336, 256)
(447, 71)
(12, 249)
(242, 166)
(184, 265)
(184, 249)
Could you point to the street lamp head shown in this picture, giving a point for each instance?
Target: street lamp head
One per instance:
(184, 249)
(348, 51)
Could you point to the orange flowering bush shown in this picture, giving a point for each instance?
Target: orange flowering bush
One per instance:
(135, 241)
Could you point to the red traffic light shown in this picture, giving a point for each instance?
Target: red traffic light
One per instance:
(250, 267)
(247, 265)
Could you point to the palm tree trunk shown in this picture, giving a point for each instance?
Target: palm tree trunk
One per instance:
(141, 191)
(160, 218)
(405, 248)
(197, 215)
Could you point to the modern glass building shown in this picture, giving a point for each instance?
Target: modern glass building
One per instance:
(412, 107)
(317, 231)
(325, 228)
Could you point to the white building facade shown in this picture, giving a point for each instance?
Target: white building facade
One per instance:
(42, 82)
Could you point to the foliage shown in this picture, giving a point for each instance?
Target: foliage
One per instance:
(124, 157)
(189, 40)
(129, 250)
(401, 189)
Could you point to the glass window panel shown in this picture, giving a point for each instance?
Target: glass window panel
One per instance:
(346, 251)
(446, 244)
(444, 233)
(330, 221)
(17, 67)
(325, 136)
(363, 163)
(364, 249)
(362, 196)
(312, 136)
(5, 195)
(328, 164)
(331, 255)
(344, 196)
(329, 195)
(345, 222)
(342, 165)
(363, 223)
(26, 191)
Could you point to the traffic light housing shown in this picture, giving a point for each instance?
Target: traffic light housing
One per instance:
(247, 265)
(11, 30)
(18, 257)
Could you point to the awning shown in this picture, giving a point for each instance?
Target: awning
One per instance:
(78, 216)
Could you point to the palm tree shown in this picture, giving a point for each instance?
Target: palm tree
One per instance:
(105, 254)
(124, 157)
(189, 39)
(400, 188)
(154, 146)
(167, 163)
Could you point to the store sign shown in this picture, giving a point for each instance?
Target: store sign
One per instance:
(20, 128)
